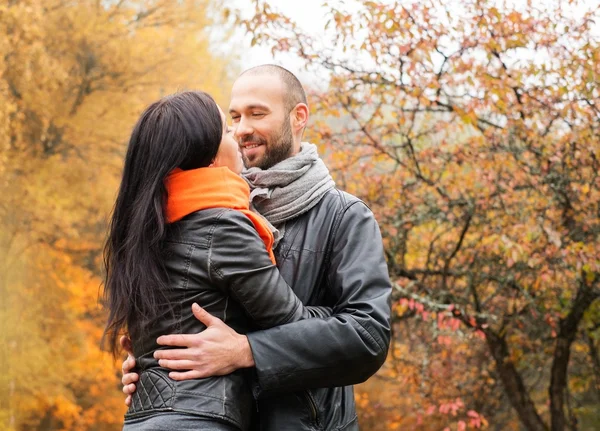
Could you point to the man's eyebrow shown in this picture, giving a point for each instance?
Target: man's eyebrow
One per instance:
(251, 107)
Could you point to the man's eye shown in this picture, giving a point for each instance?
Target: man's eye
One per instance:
(258, 114)
(235, 119)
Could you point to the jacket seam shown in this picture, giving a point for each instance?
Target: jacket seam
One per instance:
(365, 330)
(344, 426)
(208, 242)
(188, 264)
(299, 372)
(205, 394)
(209, 263)
(307, 249)
(182, 242)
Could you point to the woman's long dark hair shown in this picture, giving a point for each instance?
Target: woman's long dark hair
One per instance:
(184, 131)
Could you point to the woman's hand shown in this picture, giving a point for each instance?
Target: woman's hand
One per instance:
(129, 377)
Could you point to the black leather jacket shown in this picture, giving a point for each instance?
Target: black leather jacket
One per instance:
(216, 258)
(333, 256)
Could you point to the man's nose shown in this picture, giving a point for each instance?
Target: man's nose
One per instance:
(243, 129)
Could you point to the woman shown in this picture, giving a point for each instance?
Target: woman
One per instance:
(182, 233)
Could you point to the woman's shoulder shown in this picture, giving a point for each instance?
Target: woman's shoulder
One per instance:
(196, 226)
(199, 225)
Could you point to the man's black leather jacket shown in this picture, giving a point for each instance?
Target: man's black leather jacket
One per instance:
(332, 256)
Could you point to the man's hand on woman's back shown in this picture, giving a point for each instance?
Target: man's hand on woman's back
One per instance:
(216, 351)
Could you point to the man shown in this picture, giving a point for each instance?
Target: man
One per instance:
(330, 252)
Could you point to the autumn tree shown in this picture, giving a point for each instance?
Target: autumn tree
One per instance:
(473, 130)
(74, 77)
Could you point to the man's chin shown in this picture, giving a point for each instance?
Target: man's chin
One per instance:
(253, 158)
(254, 162)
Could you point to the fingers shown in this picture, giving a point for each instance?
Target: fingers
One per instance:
(128, 364)
(187, 375)
(128, 401)
(189, 340)
(129, 390)
(176, 354)
(125, 343)
(129, 378)
(204, 316)
(177, 365)
(177, 340)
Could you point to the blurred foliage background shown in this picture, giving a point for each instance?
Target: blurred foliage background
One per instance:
(472, 129)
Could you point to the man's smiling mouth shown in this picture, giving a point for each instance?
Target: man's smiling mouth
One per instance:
(249, 146)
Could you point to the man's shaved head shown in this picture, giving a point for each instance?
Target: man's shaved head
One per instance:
(294, 92)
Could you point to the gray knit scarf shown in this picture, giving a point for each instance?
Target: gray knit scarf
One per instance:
(290, 188)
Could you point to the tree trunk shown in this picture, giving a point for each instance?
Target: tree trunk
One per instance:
(595, 362)
(566, 335)
(513, 384)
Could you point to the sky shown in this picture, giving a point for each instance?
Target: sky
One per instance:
(308, 15)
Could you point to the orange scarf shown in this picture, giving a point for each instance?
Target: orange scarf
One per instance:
(204, 188)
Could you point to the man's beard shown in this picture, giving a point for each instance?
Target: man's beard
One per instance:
(277, 147)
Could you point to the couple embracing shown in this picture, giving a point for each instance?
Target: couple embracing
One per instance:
(253, 298)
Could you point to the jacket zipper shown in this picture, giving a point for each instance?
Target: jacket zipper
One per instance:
(312, 406)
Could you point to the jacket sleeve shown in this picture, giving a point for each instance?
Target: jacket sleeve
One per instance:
(240, 265)
(348, 347)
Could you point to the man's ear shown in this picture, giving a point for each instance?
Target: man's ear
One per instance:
(299, 117)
